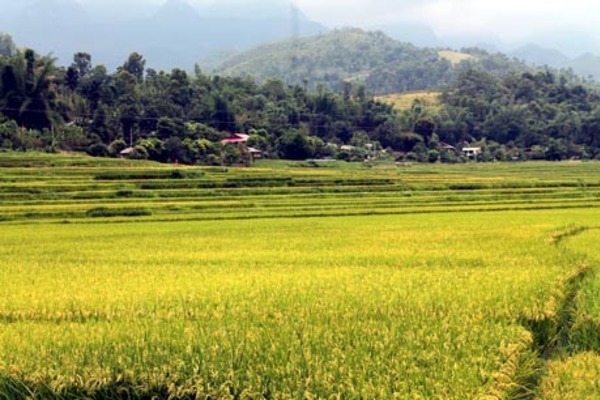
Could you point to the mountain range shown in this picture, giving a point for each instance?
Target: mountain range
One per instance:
(172, 35)
(176, 34)
(586, 65)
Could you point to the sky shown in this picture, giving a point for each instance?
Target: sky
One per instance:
(506, 19)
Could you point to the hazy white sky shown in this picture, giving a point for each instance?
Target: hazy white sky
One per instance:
(507, 19)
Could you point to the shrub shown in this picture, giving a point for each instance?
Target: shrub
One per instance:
(98, 150)
(99, 212)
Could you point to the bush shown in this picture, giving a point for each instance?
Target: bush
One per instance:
(433, 156)
(71, 137)
(99, 212)
(8, 134)
(448, 156)
(117, 147)
(295, 146)
(138, 153)
(98, 150)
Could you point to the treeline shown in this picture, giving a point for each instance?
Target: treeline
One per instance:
(181, 117)
(537, 115)
(168, 116)
(437, 73)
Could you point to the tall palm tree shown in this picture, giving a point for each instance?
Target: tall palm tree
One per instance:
(26, 90)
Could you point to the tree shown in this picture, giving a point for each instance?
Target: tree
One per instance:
(176, 151)
(82, 63)
(100, 125)
(223, 117)
(295, 146)
(168, 127)
(424, 128)
(9, 135)
(26, 95)
(7, 46)
(556, 150)
(180, 89)
(135, 65)
(72, 78)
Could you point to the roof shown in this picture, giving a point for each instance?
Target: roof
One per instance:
(236, 138)
(127, 151)
(253, 150)
(447, 146)
(471, 148)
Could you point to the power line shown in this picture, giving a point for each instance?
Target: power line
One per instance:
(214, 122)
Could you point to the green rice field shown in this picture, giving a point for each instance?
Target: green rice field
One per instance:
(298, 280)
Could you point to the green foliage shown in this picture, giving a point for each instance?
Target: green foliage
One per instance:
(8, 135)
(433, 156)
(526, 110)
(296, 146)
(346, 57)
(99, 212)
(177, 117)
(98, 150)
(26, 91)
(117, 147)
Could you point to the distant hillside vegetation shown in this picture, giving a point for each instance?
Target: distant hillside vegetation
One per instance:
(342, 55)
(382, 64)
(405, 101)
(455, 57)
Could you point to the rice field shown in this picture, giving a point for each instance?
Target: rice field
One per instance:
(576, 373)
(125, 279)
(575, 378)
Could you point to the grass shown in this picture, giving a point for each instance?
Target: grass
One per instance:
(288, 281)
(404, 101)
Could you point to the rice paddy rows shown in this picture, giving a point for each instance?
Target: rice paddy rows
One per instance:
(67, 192)
(412, 289)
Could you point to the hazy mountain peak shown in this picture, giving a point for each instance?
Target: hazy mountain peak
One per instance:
(53, 9)
(177, 6)
(177, 11)
(540, 55)
(263, 9)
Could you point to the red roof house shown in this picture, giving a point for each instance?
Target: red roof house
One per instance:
(236, 138)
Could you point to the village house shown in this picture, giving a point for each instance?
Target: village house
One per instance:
(471, 152)
(236, 138)
(240, 139)
(255, 153)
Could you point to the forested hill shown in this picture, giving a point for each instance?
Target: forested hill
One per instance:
(383, 64)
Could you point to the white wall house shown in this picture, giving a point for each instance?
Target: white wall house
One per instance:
(471, 152)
